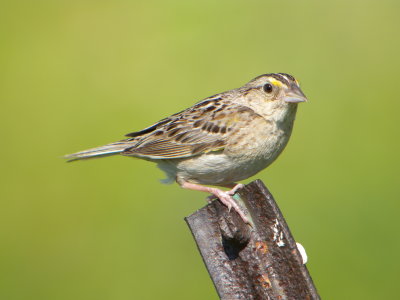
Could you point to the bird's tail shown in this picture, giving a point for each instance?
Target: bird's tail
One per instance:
(106, 150)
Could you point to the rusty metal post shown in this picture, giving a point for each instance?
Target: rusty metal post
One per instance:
(251, 262)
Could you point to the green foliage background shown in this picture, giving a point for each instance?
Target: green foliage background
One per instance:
(77, 74)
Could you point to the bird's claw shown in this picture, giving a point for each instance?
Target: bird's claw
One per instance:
(230, 203)
(226, 198)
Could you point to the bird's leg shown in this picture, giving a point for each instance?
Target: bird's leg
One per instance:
(224, 197)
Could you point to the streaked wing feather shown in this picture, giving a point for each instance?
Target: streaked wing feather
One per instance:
(202, 128)
(164, 149)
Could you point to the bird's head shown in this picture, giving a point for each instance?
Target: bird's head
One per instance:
(273, 93)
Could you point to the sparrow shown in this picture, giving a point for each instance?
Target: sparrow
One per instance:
(218, 141)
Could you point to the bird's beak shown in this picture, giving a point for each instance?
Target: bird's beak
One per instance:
(295, 95)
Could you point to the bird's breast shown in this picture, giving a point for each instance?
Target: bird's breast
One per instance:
(247, 153)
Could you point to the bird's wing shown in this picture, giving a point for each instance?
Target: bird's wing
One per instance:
(203, 128)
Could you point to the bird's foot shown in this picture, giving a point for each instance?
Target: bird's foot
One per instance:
(224, 196)
(231, 192)
(229, 202)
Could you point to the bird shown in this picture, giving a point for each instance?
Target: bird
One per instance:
(220, 140)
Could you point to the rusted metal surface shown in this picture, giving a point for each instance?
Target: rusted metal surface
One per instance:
(251, 262)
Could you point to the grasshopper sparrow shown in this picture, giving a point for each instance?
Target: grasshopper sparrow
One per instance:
(220, 140)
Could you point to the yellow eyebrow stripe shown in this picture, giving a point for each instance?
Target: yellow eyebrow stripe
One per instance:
(276, 82)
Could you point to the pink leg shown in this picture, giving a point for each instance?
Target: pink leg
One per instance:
(224, 197)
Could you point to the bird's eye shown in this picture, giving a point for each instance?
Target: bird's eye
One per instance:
(267, 88)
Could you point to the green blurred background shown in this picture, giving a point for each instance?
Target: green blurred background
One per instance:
(77, 74)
